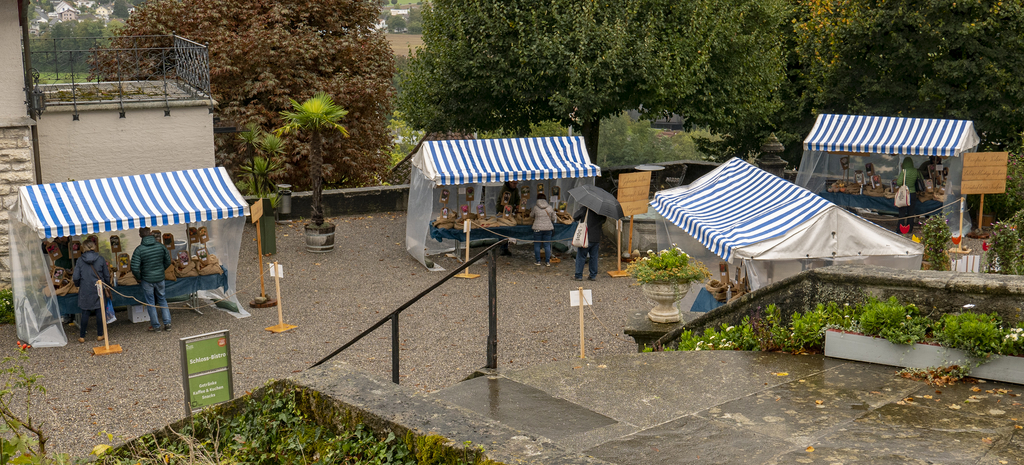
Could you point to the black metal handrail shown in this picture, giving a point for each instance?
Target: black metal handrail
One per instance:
(492, 314)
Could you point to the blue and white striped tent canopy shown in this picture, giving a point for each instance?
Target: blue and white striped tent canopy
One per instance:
(130, 202)
(451, 162)
(737, 204)
(896, 136)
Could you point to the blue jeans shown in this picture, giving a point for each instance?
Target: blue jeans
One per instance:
(542, 236)
(581, 256)
(153, 293)
(84, 323)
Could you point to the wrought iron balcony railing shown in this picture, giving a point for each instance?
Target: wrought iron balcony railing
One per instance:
(82, 71)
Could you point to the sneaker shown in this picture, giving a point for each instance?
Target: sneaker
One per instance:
(578, 278)
(153, 328)
(99, 338)
(547, 264)
(537, 264)
(81, 340)
(167, 327)
(592, 278)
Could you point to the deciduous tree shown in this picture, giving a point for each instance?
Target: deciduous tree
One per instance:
(935, 59)
(504, 64)
(263, 54)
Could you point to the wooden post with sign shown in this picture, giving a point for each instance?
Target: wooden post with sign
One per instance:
(983, 173)
(281, 326)
(256, 212)
(107, 348)
(633, 192)
(467, 226)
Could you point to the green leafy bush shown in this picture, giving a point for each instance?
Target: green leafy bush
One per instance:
(275, 428)
(935, 238)
(1007, 253)
(728, 338)
(896, 323)
(6, 306)
(975, 333)
(668, 266)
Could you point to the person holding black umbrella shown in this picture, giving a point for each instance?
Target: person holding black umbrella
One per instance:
(597, 206)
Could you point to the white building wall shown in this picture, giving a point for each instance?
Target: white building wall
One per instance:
(103, 145)
(12, 74)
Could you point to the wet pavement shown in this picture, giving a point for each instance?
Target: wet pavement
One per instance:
(749, 407)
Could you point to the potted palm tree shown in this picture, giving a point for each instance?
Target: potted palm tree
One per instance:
(263, 152)
(318, 115)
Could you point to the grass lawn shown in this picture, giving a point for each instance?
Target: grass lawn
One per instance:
(401, 43)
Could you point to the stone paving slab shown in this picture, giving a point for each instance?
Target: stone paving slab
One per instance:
(752, 407)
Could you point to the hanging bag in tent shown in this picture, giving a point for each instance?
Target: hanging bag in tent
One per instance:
(903, 193)
(579, 239)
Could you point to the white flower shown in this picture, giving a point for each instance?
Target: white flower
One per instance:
(650, 251)
(729, 328)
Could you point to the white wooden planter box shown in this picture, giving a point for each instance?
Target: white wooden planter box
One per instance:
(861, 348)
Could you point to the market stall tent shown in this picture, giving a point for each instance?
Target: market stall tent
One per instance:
(168, 201)
(455, 165)
(775, 228)
(884, 142)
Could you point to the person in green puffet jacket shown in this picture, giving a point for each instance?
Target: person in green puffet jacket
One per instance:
(149, 261)
(907, 177)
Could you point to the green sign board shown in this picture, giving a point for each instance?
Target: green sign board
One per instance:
(206, 370)
(207, 354)
(209, 389)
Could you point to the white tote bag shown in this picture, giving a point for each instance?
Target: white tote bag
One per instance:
(579, 239)
(903, 193)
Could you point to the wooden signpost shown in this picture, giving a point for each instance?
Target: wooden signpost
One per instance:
(581, 297)
(256, 211)
(107, 348)
(276, 271)
(633, 193)
(467, 226)
(984, 173)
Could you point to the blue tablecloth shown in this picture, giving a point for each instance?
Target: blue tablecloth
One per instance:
(705, 302)
(881, 204)
(521, 232)
(182, 286)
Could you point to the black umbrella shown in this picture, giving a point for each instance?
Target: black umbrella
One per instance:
(597, 199)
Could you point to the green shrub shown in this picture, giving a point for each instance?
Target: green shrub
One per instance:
(935, 237)
(739, 337)
(6, 306)
(1007, 240)
(975, 333)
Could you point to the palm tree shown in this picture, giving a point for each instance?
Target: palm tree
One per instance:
(318, 115)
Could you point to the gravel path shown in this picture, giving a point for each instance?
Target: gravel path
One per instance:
(331, 297)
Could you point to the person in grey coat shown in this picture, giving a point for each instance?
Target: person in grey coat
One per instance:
(149, 261)
(88, 269)
(544, 219)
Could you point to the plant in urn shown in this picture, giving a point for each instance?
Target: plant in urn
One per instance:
(665, 278)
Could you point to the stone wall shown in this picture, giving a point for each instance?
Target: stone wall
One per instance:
(16, 170)
(933, 292)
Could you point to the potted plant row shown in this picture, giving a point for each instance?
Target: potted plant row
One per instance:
(883, 332)
(891, 334)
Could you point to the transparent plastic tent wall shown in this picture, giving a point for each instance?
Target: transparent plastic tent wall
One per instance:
(424, 207)
(818, 166)
(37, 317)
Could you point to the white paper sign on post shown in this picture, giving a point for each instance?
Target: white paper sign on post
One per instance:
(279, 271)
(465, 226)
(574, 298)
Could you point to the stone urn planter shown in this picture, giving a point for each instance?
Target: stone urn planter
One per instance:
(665, 295)
(861, 348)
(320, 239)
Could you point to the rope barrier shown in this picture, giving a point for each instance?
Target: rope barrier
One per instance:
(525, 241)
(187, 307)
(935, 210)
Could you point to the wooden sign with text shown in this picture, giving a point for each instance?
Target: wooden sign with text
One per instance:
(634, 189)
(256, 210)
(984, 173)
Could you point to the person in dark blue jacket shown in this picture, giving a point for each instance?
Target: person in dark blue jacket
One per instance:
(594, 223)
(88, 269)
